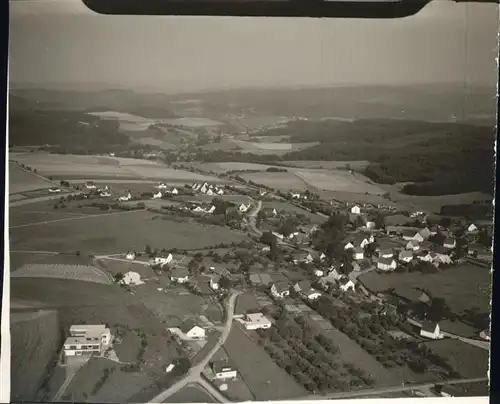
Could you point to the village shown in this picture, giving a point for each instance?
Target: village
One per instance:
(295, 270)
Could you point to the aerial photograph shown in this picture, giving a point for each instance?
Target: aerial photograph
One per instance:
(217, 209)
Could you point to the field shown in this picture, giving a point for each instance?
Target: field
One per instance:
(280, 181)
(259, 148)
(73, 272)
(264, 378)
(327, 165)
(193, 122)
(19, 258)
(35, 339)
(191, 394)
(289, 208)
(65, 166)
(22, 181)
(118, 233)
(463, 287)
(468, 360)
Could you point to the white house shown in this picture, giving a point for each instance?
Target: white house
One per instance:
(195, 187)
(157, 196)
(485, 334)
(348, 246)
(356, 210)
(179, 275)
(210, 192)
(90, 185)
(162, 186)
(405, 256)
(256, 321)
(425, 257)
(125, 198)
(413, 245)
(160, 260)
(198, 209)
(386, 264)
(175, 191)
(192, 331)
(280, 289)
(214, 282)
(412, 235)
(54, 190)
(224, 371)
(431, 330)
(85, 340)
(132, 278)
(295, 195)
(204, 188)
(318, 272)
(358, 253)
(105, 194)
(243, 208)
(370, 225)
(212, 209)
(130, 255)
(345, 284)
(472, 228)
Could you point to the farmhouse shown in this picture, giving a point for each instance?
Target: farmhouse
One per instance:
(130, 255)
(449, 243)
(125, 198)
(280, 289)
(345, 284)
(220, 192)
(369, 224)
(157, 196)
(210, 192)
(310, 294)
(318, 272)
(162, 185)
(386, 253)
(425, 233)
(358, 253)
(54, 190)
(269, 212)
(179, 275)
(405, 256)
(386, 264)
(162, 260)
(243, 208)
(223, 370)
(85, 340)
(413, 245)
(90, 185)
(256, 321)
(409, 234)
(132, 278)
(105, 194)
(191, 330)
(214, 282)
(472, 228)
(431, 330)
(425, 257)
(302, 285)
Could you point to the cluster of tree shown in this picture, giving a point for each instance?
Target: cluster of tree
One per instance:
(276, 170)
(478, 209)
(330, 234)
(309, 356)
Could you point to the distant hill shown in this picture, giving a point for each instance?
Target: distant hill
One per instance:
(146, 105)
(436, 102)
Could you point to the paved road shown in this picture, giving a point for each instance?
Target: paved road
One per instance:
(193, 376)
(76, 218)
(387, 390)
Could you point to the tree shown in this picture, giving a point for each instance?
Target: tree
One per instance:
(118, 277)
(224, 282)
(147, 249)
(268, 238)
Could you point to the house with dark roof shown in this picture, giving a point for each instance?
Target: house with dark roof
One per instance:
(413, 245)
(386, 264)
(224, 370)
(425, 233)
(386, 253)
(191, 330)
(280, 289)
(302, 285)
(411, 234)
(405, 256)
(449, 242)
(179, 275)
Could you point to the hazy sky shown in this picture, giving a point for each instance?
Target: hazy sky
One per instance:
(59, 41)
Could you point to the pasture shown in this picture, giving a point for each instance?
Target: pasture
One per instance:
(23, 181)
(280, 181)
(289, 208)
(264, 378)
(463, 287)
(192, 393)
(271, 148)
(73, 272)
(35, 340)
(468, 360)
(65, 166)
(120, 232)
(19, 258)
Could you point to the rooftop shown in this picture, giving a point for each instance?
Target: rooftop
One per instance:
(188, 325)
(222, 366)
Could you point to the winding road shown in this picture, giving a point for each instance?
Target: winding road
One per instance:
(193, 376)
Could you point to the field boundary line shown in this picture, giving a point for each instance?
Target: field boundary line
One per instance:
(75, 218)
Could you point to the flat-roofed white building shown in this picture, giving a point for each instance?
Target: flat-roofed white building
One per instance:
(87, 340)
(255, 321)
